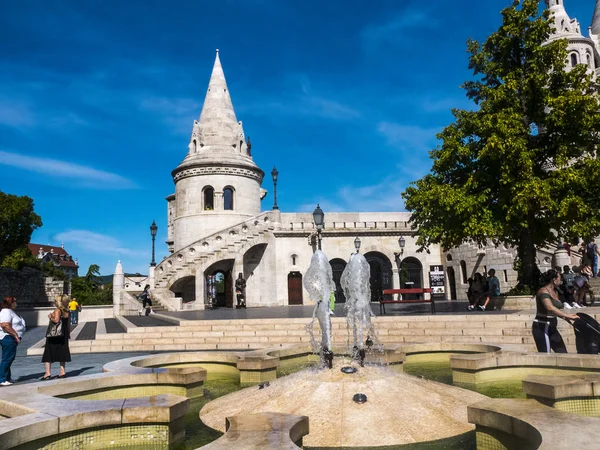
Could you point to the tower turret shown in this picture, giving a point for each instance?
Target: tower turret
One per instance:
(581, 50)
(217, 184)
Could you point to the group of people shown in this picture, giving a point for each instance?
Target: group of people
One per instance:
(574, 285)
(13, 326)
(483, 290)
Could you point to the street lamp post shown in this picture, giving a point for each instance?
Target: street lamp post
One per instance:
(319, 219)
(153, 230)
(275, 174)
(357, 244)
(398, 255)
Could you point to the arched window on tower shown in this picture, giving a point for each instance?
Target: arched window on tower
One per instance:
(195, 146)
(209, 198)
(228, 199)
(573, 59)
(589, 61)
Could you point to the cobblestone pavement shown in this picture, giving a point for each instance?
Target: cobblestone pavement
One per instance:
(28, 369)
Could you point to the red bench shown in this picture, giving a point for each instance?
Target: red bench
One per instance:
(400, 292)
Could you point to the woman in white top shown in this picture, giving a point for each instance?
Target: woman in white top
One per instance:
(12, 328)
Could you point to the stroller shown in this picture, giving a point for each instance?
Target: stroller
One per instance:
(587, 334)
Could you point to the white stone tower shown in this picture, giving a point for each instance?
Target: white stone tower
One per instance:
(581, 50)
(217, 184)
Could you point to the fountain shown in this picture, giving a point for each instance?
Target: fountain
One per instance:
(318, 281)
(369, 406)
(357, 289)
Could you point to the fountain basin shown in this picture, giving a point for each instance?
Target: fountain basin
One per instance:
(401, 409)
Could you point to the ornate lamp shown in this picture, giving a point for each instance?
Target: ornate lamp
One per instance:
(153, 230)
(319, 219)
(274, 175)
(357, 244)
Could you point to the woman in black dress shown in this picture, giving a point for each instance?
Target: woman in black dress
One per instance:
(57, 348)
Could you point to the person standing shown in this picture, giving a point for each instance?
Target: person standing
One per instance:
(592, 254)
(494, 288)
(74, 311)
(57, 348)
(12, 327)
(544, 327)
(240, 289)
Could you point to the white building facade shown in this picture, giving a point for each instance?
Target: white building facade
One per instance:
(218, 230)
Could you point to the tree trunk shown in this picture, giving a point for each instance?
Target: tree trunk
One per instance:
(529, 272)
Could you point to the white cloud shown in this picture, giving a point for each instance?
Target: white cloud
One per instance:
(97, 243)
(383, 197)
(414, 144)
(409, 137)
(177, 113)
(393, 29)
(86, 176)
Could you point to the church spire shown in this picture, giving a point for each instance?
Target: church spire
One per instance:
(217, 128)
(596, 20)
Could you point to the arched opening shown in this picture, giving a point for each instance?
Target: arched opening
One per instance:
(448, 257)
(381, 274)
(295, 288)
(228, 199)
(185, 288)
(209, 199)
(463, 271)
(221, 288)
(452, 282)
(589, 61)
(337, 266)
(573, 59)
(411, 276)
(195, 146)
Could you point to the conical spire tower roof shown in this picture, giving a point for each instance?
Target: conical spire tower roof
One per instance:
(218, 124)
(217, 137)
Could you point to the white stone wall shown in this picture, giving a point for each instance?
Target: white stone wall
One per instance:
(342, 247)
(192, 222)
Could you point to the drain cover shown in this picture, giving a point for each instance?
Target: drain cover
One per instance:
(360, 398)
(348, 369)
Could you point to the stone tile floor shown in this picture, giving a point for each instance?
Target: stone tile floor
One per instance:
(29, 369)
(298, 312)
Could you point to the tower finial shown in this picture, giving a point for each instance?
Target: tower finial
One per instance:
(217, 50)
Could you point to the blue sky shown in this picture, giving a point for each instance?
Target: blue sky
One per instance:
(98, 97)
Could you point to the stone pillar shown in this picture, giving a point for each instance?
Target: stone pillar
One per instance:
(118, 284)
(200, 302)
(395, 278)
(151, 270)
(560, 258)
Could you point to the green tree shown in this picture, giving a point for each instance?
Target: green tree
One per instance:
(20, 258)
(89, 291)
(17, 223)
(520, 168)
(92, 274)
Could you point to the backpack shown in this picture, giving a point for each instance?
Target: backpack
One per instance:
(591, 250)
(495, 286)
(568, 279)
(143, 296)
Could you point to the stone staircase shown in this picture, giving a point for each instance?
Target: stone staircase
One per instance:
(508, 331)
(229, 243)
